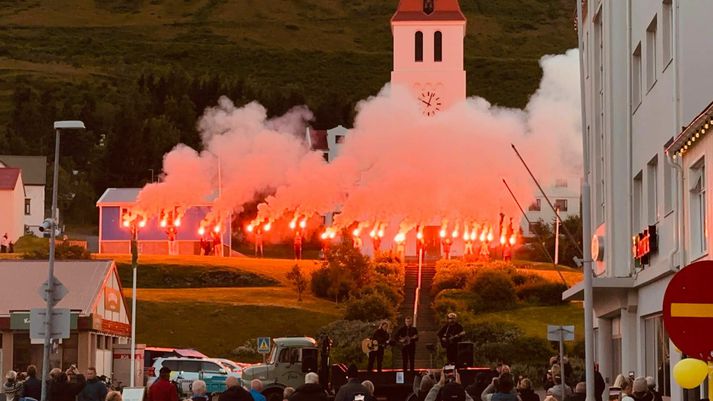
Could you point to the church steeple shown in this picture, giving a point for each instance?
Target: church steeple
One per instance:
(428, 10)
(428, 6)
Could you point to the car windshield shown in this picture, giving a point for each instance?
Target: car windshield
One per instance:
(273, 355)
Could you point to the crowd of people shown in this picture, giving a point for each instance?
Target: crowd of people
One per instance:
(68, 385)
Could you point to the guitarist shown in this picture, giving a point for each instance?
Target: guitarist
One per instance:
(407, 336)
(380, 340)
(450, 335)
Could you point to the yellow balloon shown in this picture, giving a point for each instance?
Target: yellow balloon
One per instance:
(690, 373)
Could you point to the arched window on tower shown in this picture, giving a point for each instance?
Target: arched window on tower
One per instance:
(419, 46)
(428, 6)
(438, 46)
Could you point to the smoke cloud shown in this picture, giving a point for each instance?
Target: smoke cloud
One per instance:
(395, 167)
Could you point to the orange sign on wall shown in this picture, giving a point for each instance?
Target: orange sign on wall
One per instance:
(112, 300)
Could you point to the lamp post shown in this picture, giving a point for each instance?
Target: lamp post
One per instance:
(134, 226)
(58, 126)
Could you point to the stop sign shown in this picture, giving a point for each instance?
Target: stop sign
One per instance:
(688, 310)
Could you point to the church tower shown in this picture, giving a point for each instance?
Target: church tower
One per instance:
(428, 51)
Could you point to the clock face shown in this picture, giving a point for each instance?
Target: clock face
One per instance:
(430, 102)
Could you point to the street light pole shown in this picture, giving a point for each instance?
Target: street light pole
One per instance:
(58, 125)
(134, 260)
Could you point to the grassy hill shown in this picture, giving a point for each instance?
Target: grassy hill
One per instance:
(320, 48)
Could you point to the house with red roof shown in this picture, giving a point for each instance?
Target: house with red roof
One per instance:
(12, 203)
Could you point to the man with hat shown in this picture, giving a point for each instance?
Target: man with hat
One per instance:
(641, 390)
(163, 389)
(450, 335)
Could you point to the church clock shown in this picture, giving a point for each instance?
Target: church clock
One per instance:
(430, 102)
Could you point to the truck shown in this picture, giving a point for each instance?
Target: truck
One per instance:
(291, 358)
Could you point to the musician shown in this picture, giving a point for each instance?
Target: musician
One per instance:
(446, 243)
(450, 335)
(380, 340)
(407, 336)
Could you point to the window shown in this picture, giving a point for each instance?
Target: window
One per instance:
(171, 364)
(428, 6)
(616, 344)
(669, 183)
(535, 206)
(190, 366)
(419, 46)
(561, 204)
(210, 367)
(325, 156)
(651, 54)
(339, 139)
(561, 183)
(290, 355)
(666, 32)
(657, 354)
(699, 233)
(636, 78)
(652, 205)
(438, 46)
(28, 209)
(636, 204)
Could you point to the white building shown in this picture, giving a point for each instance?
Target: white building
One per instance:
(647, 73)
(12, 198)
(34, 176)
(564, 194)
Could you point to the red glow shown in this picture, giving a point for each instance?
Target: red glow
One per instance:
(250, 228)
(502, 240)
(126, 223)
(163, 223)
(267, 227)
(513, 240)
(142, 223)
(201, 231)
(216, 229)
(303, 223)
(442, 233)
(177, 222)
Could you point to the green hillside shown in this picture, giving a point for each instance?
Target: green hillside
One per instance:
(140, 72)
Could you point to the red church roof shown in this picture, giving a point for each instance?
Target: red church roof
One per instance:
(413, 10)
(8, 178)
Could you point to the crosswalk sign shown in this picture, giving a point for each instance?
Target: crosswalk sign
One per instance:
(263, 345)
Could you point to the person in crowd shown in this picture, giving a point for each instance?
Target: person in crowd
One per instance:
(352, 387)
(32, 387)
(298, 245)
(526, 390)
(233, 392)
(12, 388)
(448, 387)
(580, 392)
(95, 389)
(651, 383)
(481, 382)
(640, 390)
(560, 390)
(504, 389)
(67, 385)
(199, 390)
(407, 336)
(287, 393)
(450, 335)
(381, 337)
(310, 391)
(370, 387)
(624, 386)
(256, 390)
(162, 389)
(422, 384)
(599, 384)
(3, 245)
(493, 386)
(114, 396)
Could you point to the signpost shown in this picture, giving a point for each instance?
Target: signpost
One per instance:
(688, 313)
(60, 323)
(263, 347)
(560, 334)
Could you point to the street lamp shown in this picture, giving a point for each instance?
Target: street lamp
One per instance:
(58, 127)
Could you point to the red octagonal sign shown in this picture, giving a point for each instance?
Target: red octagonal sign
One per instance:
(688, 310)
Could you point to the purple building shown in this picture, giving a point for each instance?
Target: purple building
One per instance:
(154, 239)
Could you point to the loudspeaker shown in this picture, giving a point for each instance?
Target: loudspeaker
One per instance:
(464, 359)
(309, 360)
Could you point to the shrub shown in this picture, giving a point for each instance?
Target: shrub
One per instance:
(494, 291)
(491, 332)
(451, 274)
(392, 294)
(370, 308)
(542, 292)
(526, 350)
(62, 252)
(451, 300)
(346, 336)
(330, 284)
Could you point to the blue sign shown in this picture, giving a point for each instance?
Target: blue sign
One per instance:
(263, 345)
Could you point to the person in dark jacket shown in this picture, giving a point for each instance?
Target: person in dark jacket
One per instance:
(234, 392)
(95, 389)
(162, 389)
(422, 384)
(352, 387)
(381, 337)
(32, 385)
(652, 388)
(526, 391)
(66, 385)
(580, 392)
(310, 391)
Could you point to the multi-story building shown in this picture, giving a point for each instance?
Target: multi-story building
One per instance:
(34, 172)
(646, 73)
(564, 193)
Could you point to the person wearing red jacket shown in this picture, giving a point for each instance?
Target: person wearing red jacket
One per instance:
(163, 389)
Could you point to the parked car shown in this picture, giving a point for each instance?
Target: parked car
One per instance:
(185, 370)
(230, 365)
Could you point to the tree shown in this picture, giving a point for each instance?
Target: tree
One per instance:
(298, 280)
(544, 236)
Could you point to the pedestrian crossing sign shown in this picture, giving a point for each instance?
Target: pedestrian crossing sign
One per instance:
(263, 345)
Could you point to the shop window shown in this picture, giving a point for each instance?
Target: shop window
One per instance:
(657, 357)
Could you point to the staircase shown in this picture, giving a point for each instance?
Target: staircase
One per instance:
(426, 321)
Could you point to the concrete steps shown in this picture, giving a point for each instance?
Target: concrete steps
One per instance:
(426, 322)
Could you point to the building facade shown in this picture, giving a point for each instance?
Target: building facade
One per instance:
(646, 74)
(34, 177)
(564, 194)
(12, 198)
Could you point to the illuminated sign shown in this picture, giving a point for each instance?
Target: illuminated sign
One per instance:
(644, 245)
